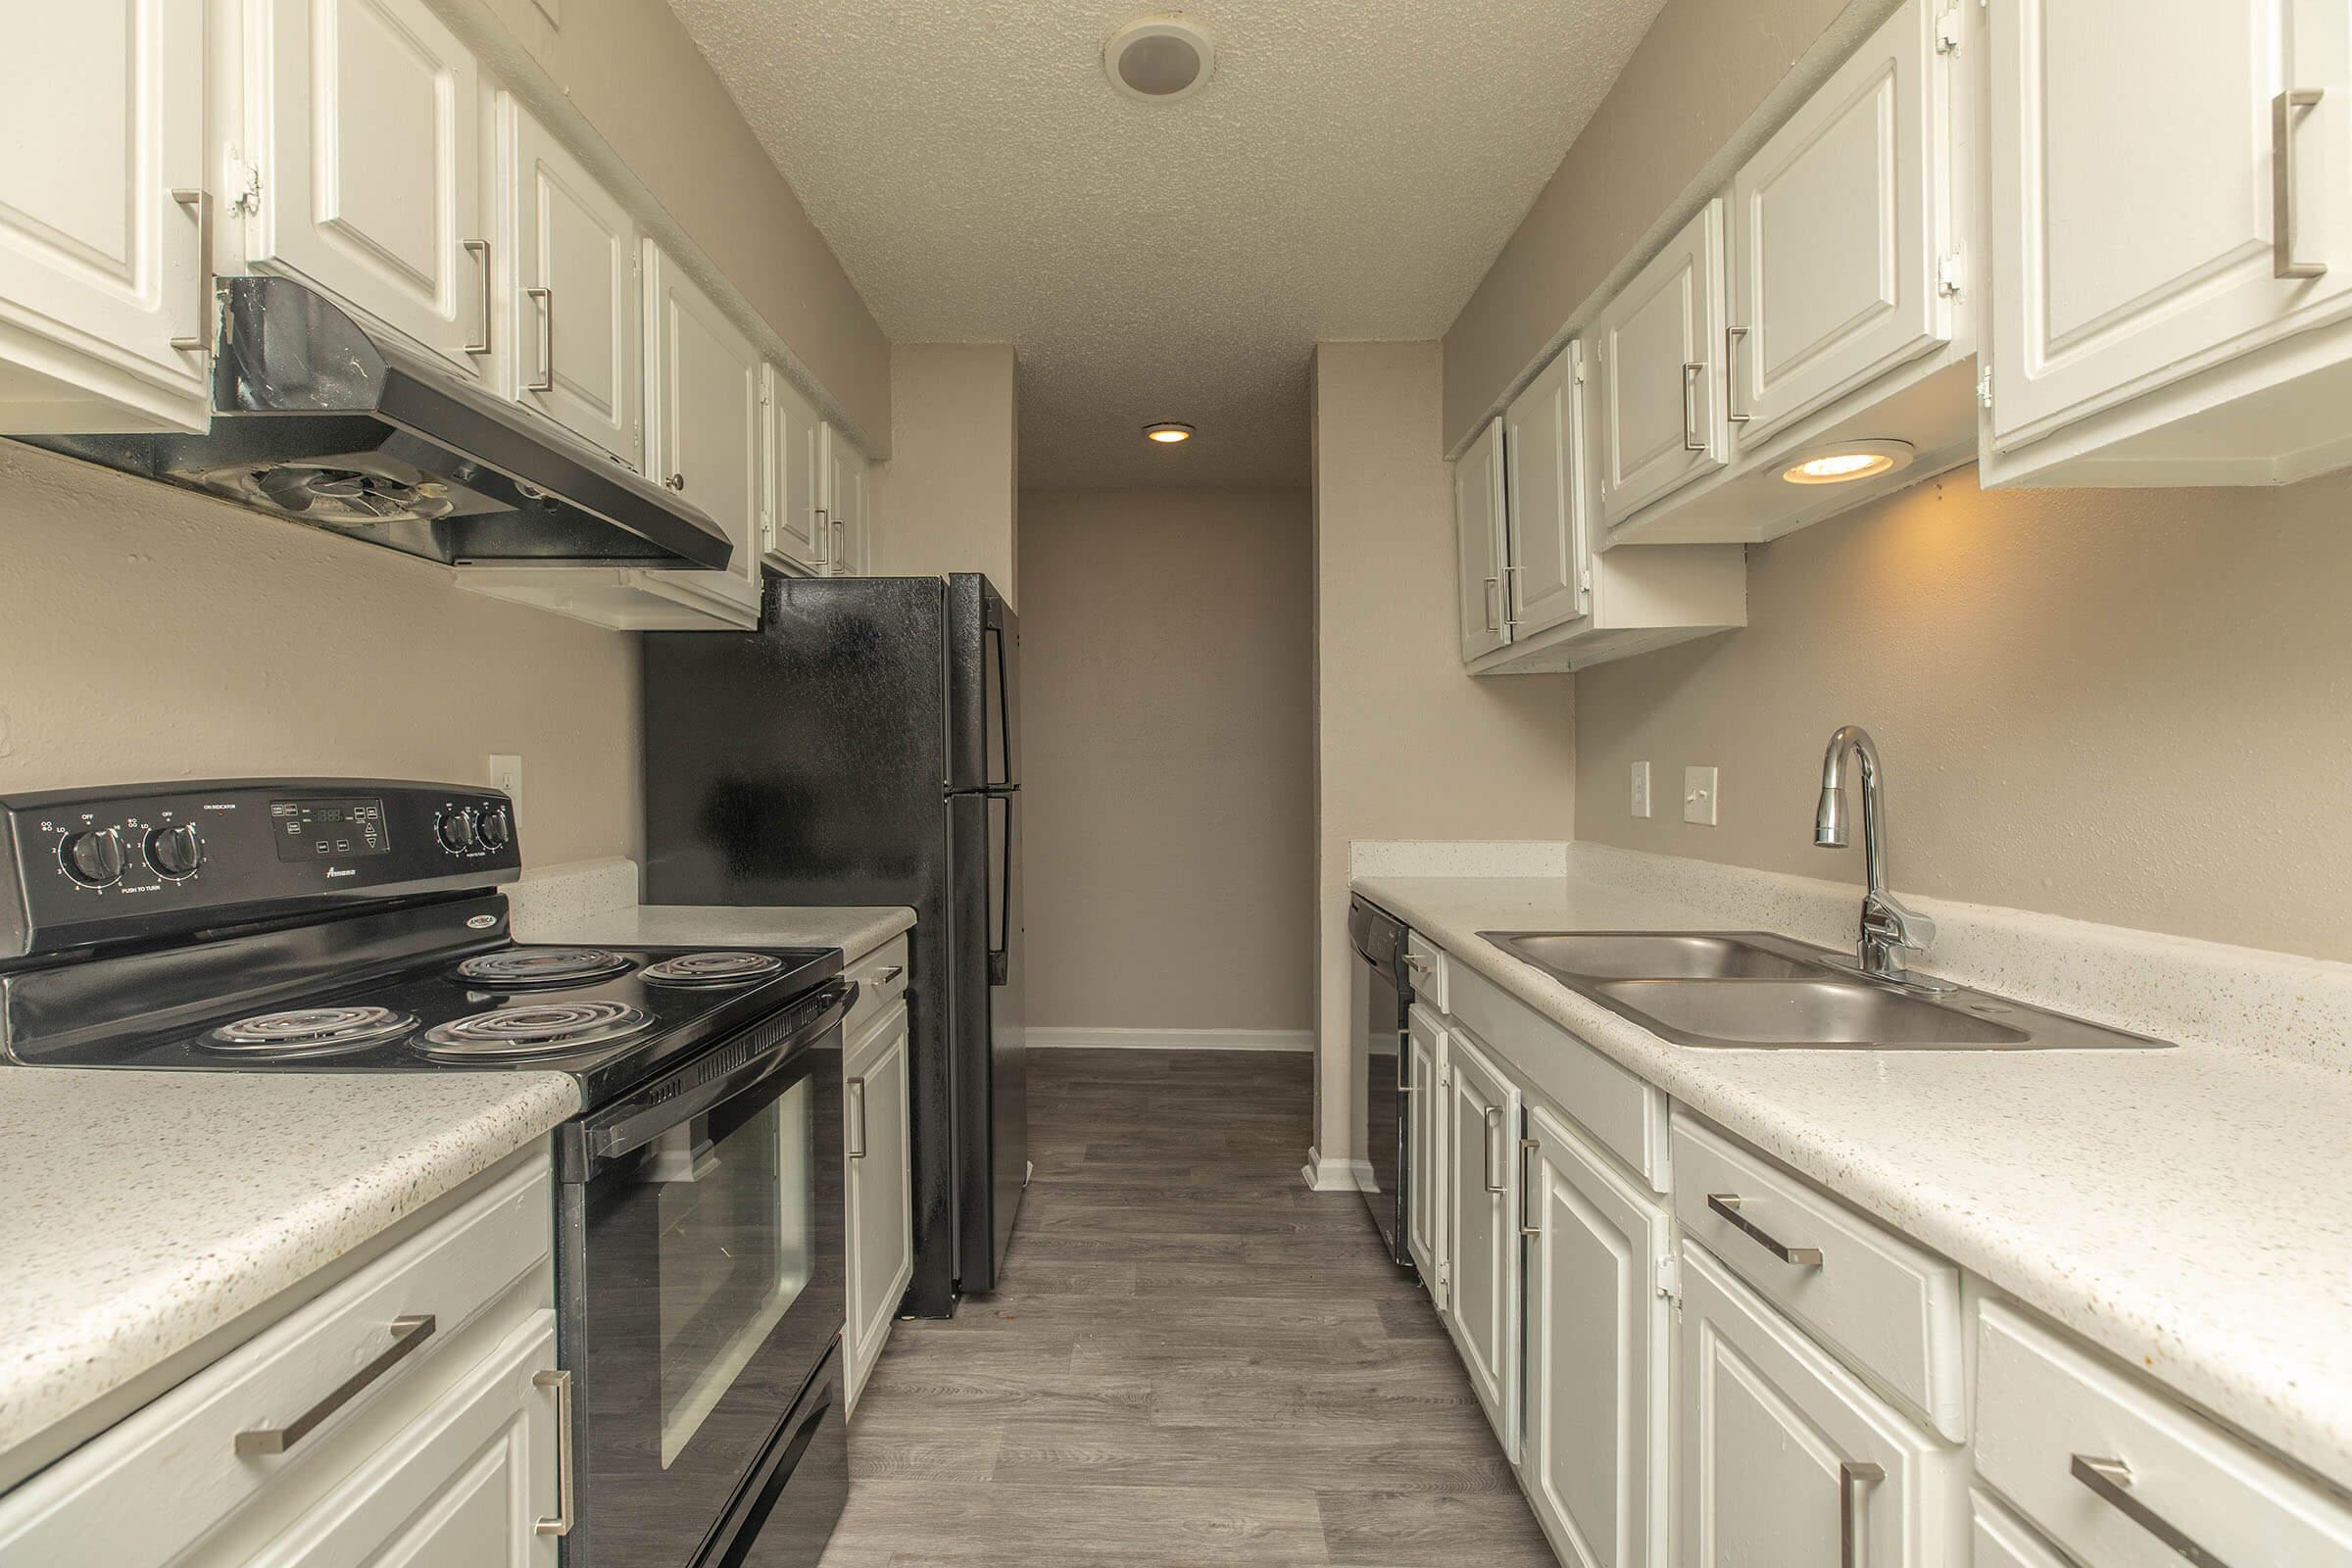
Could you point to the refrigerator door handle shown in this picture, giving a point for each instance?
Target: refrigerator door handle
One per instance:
(1000, 950)
(1005, 779)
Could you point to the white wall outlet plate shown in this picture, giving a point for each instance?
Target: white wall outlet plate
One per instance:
(1640, 789)
(1699, 795)
(506, 774)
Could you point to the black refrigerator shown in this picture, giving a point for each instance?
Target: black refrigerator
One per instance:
(863, 746)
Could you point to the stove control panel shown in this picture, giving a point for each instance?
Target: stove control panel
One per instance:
(113, 864)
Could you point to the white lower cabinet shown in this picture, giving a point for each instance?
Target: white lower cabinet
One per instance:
(1481, 1229)
(1425, 1150)
(1783, 1457)
(1595, 1457)
(879, 1186)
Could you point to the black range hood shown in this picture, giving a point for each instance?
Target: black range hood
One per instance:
(316, 420)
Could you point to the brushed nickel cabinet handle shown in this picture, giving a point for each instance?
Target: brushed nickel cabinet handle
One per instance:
(1527, 1185)
(1493, 618)
(1727, 1204)
(1852, 1476)
(1495, 1181)
(547, 339)
(408, 1333)
(1510, 597)
(200, 207)
(676, 481)
(481, 251)
(856, 1086)
(1692, 369)
(2282, 183)
(1732, 337)
(566, 1484)
(2110, 1481)
(840, 538)
(889, 974)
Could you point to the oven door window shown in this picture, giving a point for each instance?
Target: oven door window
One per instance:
(736, 1215)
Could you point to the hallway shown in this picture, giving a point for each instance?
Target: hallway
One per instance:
(1195, 1359)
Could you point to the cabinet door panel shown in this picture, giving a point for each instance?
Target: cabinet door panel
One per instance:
(702, 424)
(1839, 228)
(1425, 1172)
(366, 120)
(880, 1195)
(2133, 214)
(1597, 1369)
(1478, 521)
(1544, 460)
(1782, 1454)
(572, 350)
(1482, 1228)
(794, 531)
(95, 254)
(1660, 347)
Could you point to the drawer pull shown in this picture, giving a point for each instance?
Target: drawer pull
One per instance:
(566, 1494)
(1852, 1476)
(1728, 1205)
(2111, 1481)
(408, 1333)
(1494, 1182)
(890, 974)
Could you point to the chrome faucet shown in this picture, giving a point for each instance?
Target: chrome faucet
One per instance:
(1887, 928)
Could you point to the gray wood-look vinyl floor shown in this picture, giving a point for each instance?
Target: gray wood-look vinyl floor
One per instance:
(1194, 1359)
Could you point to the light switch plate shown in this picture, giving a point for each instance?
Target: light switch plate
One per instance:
(506, 774)
(1699, 795)
(1640, 789)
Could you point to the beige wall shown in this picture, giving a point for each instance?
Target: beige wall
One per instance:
(1407, 745)
(151, 634)
(2131, 707)
(1167, 754)
(948, 498)
(1701, 70)
(630, 69)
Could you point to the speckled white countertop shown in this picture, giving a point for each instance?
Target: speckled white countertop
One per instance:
(855, 929)
(146, 1209)
(2188, 1209)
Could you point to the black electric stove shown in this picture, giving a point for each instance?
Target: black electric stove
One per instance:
(356, 926)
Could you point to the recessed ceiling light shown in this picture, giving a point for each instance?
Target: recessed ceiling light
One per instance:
(1167, 432)
(1159, 58)
(1843, 462)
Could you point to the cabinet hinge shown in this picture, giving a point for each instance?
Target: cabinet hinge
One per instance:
(1670, 1277)
(1948, 276)
(242, 183)
(1948, 29)
(1984, 382)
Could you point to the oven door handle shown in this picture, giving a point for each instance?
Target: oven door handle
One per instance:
(633, 1124)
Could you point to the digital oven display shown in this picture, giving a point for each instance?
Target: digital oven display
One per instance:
(329, 830)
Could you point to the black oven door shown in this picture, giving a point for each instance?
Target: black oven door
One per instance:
(702, 1285)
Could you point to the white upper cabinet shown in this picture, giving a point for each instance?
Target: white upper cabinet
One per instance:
(105, 308)
(568, 260)
(1546, 576)
(845, 505)
(1478, 520)
(1657, 349)
(1838, 234)
(703, 426)
(792, 520)
(362, 123)
(2169, 195)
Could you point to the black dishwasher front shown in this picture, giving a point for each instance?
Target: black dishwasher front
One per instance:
(1383, 993)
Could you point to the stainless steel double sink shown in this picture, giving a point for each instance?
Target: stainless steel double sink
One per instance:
(1755, 989)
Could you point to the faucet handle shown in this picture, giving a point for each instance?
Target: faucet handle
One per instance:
(1886, 918)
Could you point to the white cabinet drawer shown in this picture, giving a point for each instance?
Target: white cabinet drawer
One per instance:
(144, 1490)
(1890, 1308)
(1425, 967)
(2054, 1427)
(1626, 1115)
(1998, 1538)
(881, 980)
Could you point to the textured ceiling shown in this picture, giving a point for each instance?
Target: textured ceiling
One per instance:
(1349, 173)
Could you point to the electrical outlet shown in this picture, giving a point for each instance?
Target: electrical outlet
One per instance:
(1699, 795)
(1640, 789)
(506, 774)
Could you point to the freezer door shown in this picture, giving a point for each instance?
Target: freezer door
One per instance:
(991, 1051)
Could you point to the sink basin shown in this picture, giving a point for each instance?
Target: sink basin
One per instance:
(1760, 990)
(1814, 1013)
(1654, 956)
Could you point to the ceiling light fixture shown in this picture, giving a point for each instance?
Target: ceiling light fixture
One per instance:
(1158, 59)
(1167, 432)
(1843, 462)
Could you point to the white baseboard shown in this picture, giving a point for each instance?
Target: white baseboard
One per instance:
(1336, 1175)
(1063, 1038)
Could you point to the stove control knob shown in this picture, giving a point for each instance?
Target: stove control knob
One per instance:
(93, 858)
(495, 827)
(175, 851)
(456, 830)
